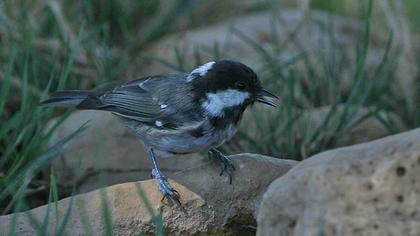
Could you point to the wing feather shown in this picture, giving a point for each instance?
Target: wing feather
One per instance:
(151, 99)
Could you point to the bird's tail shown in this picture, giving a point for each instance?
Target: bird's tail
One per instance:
(68, 98)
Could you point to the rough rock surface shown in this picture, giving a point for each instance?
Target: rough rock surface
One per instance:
(367, 189)
(209, 204)
(107, 153)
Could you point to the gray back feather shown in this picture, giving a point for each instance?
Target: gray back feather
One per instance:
(167, 99)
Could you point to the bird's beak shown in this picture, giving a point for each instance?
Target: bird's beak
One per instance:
(263, 96)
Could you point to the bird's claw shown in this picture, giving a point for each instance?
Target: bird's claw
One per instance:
(224, 162)
(165, 188)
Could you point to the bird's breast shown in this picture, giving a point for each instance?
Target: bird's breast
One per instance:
(220, 136)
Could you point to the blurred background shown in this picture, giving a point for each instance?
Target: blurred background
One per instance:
(346, 72)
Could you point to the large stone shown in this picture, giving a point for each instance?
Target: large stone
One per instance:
(287, 26)
(367, 189)
(252, 175)
(362, 125)
(107, 153)
(210, 206)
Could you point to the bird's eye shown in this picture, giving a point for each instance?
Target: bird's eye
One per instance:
(240, 85)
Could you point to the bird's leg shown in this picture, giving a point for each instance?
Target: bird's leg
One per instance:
(224, 162)
(165, 188)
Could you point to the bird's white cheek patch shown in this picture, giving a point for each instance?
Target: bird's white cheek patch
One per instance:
(217, 102)
(201, 71)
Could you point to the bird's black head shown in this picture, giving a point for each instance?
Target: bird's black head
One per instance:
(227, 84)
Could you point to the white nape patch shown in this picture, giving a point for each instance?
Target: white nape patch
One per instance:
(158, 123)
(163, 106)
(217, 102)
(201, 70)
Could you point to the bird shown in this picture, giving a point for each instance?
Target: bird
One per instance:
(175, 114)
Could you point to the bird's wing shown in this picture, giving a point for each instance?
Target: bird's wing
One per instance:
(162, 100)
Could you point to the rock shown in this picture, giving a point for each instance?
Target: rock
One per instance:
(305, 125)
(209, 204)
(252, 175)
(107, 153)
(310, 38)
(367, 189)
(358, 130)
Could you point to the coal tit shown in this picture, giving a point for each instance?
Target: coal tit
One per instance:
(181, 113)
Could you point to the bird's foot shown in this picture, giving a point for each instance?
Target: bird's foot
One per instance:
(224, 162)
(165, 188)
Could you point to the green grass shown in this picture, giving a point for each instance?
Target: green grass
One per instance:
(46, 47)
(285, 132)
